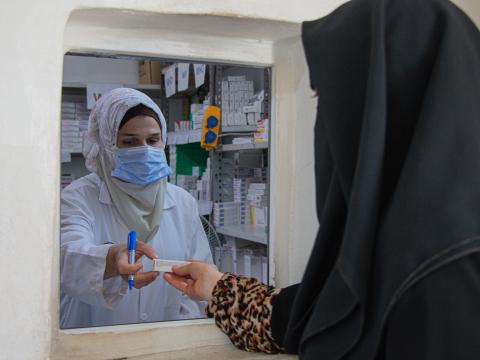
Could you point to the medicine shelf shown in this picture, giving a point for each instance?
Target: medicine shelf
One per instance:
(249, 232)
(184, 137)
(237, 147)
(243, 128)
(78, 85)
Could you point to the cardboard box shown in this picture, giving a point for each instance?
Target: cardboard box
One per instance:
(144, 72)
(149, 72)
(156, 72)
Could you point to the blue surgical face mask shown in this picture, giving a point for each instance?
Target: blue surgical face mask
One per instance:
(140, 165)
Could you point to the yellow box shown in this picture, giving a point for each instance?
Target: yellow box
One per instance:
(210, 128)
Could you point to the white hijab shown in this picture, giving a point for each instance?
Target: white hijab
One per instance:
(140, 207)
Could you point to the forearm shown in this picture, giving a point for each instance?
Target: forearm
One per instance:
(82, 271)
(242, 308)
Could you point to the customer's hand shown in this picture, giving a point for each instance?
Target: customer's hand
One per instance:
(117, 264)
(196, 279)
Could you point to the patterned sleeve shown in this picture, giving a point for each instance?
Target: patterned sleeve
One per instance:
(242, 308)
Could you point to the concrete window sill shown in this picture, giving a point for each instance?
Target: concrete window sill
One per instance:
(220, 352)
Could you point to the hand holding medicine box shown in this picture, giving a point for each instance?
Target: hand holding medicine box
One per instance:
(166, 265)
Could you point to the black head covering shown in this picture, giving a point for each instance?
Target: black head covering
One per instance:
(139, 110)
(397, 164)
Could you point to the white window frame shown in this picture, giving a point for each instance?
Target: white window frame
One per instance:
(142, 339)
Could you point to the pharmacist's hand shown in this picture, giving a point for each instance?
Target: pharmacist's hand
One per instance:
(117, 264)
(196, 279)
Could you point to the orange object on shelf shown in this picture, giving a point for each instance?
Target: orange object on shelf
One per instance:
(210, 128)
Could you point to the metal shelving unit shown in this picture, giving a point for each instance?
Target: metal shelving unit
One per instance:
(78, 85)
(239, 147)
(254, 233)
(224, 161)
(233, 129)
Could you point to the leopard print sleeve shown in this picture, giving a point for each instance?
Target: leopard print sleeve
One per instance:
(242, 308)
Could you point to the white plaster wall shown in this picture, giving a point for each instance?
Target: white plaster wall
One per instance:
(30, 69)
(471, 7)
(305, 225)
(32, 42)
(294, 141)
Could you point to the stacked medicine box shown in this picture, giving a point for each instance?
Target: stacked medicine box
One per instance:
(250, 188)
(198, 186)
(254, 109)
(204, 184)
(196, 115)
(250, 199)
(236, 94)
(74, 125)
(240, 189)
(230, 213)
(257, 197)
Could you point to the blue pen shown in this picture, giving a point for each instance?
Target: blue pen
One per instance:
(132, 247)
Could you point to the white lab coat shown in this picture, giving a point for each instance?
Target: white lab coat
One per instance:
(89, 223)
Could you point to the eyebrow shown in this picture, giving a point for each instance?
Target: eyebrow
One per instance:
(154, 134)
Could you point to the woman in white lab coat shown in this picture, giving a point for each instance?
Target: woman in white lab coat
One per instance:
(127, 190)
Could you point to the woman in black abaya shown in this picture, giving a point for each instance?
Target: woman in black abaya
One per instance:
(395, 269)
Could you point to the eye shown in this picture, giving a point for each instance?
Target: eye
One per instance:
(128, 141)
(153, 141)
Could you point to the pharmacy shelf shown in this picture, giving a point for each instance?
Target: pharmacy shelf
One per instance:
(237, 147)
(245, 128)
(204, 207)
(77, 85)
(185, 93)
(249, 232)
(184, 137)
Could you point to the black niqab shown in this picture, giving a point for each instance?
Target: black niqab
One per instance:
(397, 151)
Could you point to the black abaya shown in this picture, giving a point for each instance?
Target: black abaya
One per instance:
(394, 270)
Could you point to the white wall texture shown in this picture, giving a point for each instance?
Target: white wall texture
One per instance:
(33, 40)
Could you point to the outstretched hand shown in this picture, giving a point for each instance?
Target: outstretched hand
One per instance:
(196, 279)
